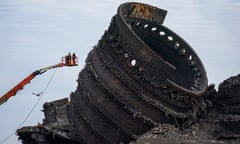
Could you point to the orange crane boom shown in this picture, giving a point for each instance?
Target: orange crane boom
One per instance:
(20, 85)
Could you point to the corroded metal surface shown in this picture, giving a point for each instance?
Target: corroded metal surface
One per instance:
(228, 107)
(220, 125)
(139, 75)
(55, 126)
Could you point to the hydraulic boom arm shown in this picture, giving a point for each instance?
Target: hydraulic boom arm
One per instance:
(20, 85)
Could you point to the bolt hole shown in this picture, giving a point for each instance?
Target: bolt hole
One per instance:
(133, 62)
(140, 69)
(170, 38)
(192, 63)
(154, 29)
(146, 25)
(182, 51)
(177, 45)
(126, 55)
(190, 57)
(162, 33)
(138, 23)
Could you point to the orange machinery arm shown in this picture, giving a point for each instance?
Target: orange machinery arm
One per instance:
(25, 81)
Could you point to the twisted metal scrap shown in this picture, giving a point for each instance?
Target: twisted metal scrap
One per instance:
(220, 125)
(140, 74)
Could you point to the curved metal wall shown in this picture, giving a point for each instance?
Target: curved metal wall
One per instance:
(128, 86)
(139, 75)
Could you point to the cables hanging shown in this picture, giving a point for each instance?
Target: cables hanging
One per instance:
(40, 96)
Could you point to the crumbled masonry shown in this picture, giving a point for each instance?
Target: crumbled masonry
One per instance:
(142, 83)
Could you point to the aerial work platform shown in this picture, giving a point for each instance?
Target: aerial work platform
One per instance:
(69, 60)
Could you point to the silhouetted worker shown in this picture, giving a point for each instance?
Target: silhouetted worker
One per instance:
(74, 58)
(68, 59)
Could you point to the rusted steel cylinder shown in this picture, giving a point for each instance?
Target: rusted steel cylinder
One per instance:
(139, 74)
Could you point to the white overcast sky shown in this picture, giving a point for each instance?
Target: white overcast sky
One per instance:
(36, 33)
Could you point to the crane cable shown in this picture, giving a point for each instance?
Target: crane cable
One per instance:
(30, 112)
